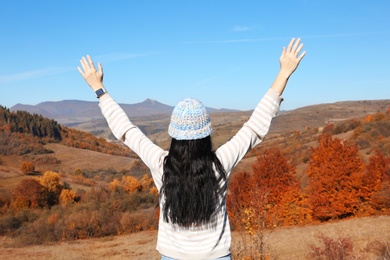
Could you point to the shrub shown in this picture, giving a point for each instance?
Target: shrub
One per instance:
(29, 194)
(380, 249)
(27, 167)
(47, 160)
(139, 221)
(46, 228)
(340, 248)
(10, 222)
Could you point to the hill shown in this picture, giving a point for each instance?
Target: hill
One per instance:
(366, 235)
(98, 179)
(152, 117)
(225, 125)
(69, 112)
(74, 112)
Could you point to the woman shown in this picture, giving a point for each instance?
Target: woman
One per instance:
(190, 177)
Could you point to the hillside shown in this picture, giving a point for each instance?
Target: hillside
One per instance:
(291, 243)
(117, 195)
(153, 117)
(225, 125)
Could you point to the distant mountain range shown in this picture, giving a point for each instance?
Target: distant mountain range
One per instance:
(70, 112)
(152, 117)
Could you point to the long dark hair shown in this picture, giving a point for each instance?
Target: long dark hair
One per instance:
(191, 189)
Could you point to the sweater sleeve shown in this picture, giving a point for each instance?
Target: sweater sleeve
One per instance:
(124, 130)
(252, 133)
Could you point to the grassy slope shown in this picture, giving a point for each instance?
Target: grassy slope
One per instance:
(284, 243)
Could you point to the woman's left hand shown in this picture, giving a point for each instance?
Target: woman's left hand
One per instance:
(93, 77)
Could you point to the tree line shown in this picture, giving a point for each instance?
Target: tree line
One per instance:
(22, 133)
(24, 122)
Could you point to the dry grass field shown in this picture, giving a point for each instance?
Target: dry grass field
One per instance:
(283, 243)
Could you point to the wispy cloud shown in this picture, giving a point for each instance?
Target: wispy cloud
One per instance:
(336, 35)
(31, 74)
(113, 57)
(238, 40)
(45, 72)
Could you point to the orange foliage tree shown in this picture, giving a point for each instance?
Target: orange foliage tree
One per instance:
(335, 179)
(131, 184)
(52, 184)
(376, 182)
(146, 182)
(115, 185)
(128, 184)
(285, 202)
(239, 198)
(27, 167)
(67, 197)
(29, 193)
(272, 193)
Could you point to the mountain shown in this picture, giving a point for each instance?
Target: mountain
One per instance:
(153, 117)
(71, 112)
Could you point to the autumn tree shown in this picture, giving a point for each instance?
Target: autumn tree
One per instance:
(131, 184)
(53, 186)
(239, 198)
(272, 188)
(267, 198)
(27, 167)
(67, 197)
(29, 193)
(335, 178)
(376, 182)
(146, 182)
(286, 204)
(115, 185)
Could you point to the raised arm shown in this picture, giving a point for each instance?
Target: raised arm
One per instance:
(118, 121)
(289, 61)
(257, 127)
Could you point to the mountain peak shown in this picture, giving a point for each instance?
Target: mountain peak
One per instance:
(150, 101)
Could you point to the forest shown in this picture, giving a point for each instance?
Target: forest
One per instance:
(346, 174)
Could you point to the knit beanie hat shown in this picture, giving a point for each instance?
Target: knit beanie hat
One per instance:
(189, 120)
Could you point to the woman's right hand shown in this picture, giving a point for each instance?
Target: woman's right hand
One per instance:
(93, 77)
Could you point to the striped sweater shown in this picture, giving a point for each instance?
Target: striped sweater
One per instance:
(201, 242)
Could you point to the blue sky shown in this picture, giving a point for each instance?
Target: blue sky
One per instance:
(224, 53)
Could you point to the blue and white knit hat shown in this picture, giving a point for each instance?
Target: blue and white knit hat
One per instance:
(189, 120)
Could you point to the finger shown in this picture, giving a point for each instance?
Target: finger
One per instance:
(282, 54)
(91, 62)
(84, 63)
(299, 48)
(302, 55)
(296, 44)
(81, 71)
(290, 44)
(100, 68)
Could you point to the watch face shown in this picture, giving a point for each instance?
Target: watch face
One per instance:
(99, 92)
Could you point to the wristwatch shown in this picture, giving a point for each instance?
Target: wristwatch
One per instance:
(100, 92)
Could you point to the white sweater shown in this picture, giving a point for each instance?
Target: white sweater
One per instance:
(202, 242)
